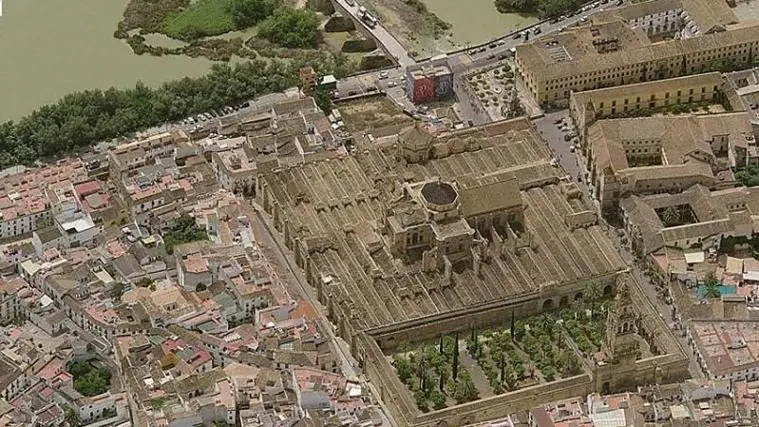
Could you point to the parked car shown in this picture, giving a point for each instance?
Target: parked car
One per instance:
(351, 3)
(537, 31)
(558, 121)
(517, 36)
(492, 45)
(383, 75)
(491, 57)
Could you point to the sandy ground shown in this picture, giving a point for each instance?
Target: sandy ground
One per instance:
(371, 114)
(416, 32)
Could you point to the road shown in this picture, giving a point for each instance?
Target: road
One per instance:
(390, 43)
(574, 164)
(570, 161)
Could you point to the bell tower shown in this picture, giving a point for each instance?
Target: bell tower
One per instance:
(621, 330)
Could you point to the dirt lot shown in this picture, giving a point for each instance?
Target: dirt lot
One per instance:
(422, 33)
(376, 115)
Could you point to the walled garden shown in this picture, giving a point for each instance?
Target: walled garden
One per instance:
(531, 351)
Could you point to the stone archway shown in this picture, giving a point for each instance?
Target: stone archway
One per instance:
(607, 291)
(606, 388)
(548, 304)
(578, 296)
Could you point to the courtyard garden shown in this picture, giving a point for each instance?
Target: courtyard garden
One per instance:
(528, 352)
(496, 91)
(435, 375)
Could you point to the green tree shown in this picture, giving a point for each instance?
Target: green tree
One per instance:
(200, 287)
(247, 13)
(421, 400)
(403, 367)
(465, 390)
(438, 400)
(711, 287)
(323, 99)
(748, 176)
(670, 216)
(72, 417)
(293, 28)
(455, 358)
(184, 231)
(88, 380)
(568, 363)
(116, 290)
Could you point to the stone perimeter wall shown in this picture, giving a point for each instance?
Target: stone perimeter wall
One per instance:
(368, 348)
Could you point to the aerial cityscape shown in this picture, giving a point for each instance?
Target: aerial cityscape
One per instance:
(391, 213)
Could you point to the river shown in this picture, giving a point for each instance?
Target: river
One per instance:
(49, 48)
(477, 21)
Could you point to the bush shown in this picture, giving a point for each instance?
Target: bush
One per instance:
(293, 28)
(544, 8)
(247, 13)
(748, 176)
(88, 380)
(185, 231)
(200, 19)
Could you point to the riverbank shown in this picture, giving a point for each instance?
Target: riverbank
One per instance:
(489, 23)
(419, 30)
(71, 48)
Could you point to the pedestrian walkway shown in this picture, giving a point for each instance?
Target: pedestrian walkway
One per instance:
(478, 377)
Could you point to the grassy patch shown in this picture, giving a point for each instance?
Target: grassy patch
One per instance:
(202, 18)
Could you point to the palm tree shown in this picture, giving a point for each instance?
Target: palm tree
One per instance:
(592, 292)
(711, 287)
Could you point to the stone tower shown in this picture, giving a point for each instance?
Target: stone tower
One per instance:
(621, 331)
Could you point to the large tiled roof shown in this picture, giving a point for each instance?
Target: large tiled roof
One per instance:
(337, 208)
(580, 56)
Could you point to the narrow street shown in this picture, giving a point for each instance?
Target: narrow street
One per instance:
(650, 289)
(574, 164)
(271, 242)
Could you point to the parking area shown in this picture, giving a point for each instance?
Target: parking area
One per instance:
(557, 130)
(365, 83)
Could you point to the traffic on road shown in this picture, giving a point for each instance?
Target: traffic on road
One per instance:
(505, 47)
